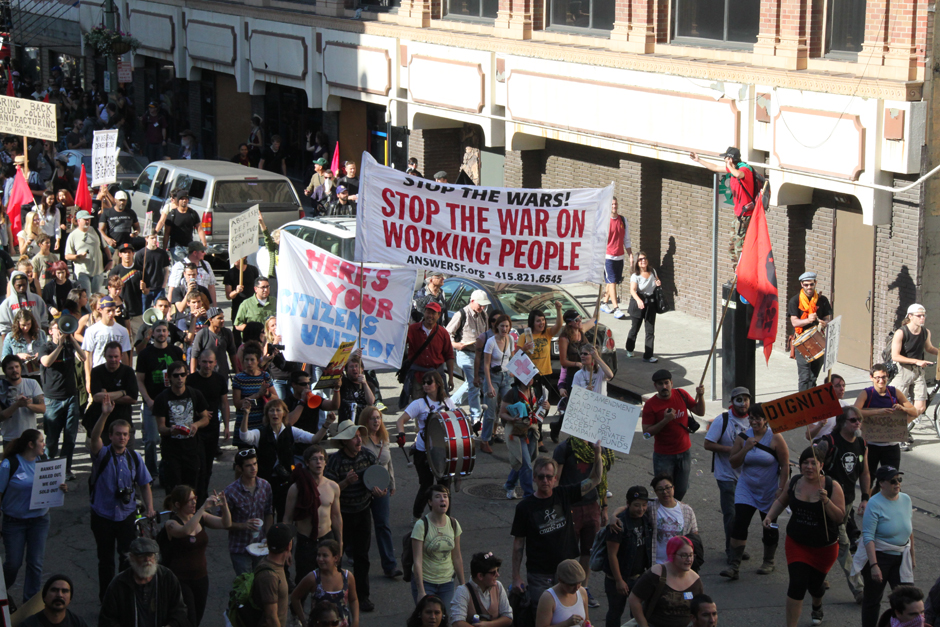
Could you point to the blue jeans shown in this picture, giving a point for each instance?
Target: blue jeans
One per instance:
(501, 382)
(61, 418)
(282, 387)
(151, 438)
(243, 562)
(383, 532)
(522, 456)
(443, 590)
(726, 496)
(25, 535)
(678, 466)
(468, 393)
(91, 284)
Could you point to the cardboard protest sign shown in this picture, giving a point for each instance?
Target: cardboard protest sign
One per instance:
(49, 476)
(521, 367)
(886, 428)
(334, 370)
(22, 116)
(592, 417)
(491, 233)
(104, 153)
(833, 329)
(243, 234)
(148, 224)
(318, 306)
(802, 408)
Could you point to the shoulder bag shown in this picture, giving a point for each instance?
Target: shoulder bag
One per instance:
(406, 363)
(649, 607)
(659, 297)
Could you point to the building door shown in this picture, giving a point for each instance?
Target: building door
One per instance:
(852, 287)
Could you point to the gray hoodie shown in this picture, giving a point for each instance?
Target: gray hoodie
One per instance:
(15, 301)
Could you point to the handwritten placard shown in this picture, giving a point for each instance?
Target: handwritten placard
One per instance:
(521, 367)
(592, 417)
(21, 116)
(104, 155)
(833, 329)
(886, 428)
(49, 476)
(243, 235)
(148, 224)
(800, 409)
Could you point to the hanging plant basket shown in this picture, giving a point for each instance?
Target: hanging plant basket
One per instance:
(109, 43)
(120, 47)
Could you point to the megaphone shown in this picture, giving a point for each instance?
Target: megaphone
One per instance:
(314, 400)
(68, 324)
(152, 315)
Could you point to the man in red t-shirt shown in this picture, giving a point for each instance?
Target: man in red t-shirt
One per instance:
(428, 354)
(666, 418)
(742, 190)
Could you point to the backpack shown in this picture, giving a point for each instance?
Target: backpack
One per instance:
(759, 181)
(724, 427)
(407, 556)
(890, 365)
(242, 610)
(600, 561)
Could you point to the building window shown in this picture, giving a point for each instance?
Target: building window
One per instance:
(473, 8)
(588, 14)
(846, 29)
(731, 21)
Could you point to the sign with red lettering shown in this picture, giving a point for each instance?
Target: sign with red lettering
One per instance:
(318, 306)
(534, 236)
(802, 408)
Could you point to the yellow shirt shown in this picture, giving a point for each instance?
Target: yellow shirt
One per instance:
(541, 355)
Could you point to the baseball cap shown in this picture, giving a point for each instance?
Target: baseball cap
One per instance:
(212, 312)
(479, 297)
(144, 546)
(916, 307)
(662, 375)
(106, 302)
(125, 246)
(886, 473)
(740, 391)
(570, 315)
(279, 537)
(83, 215)
(433, 306)
(637, 493)
(732, 152)
(341, 189)
(120, 195)
(196, 246)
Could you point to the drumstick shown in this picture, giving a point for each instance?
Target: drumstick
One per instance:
(407, 457)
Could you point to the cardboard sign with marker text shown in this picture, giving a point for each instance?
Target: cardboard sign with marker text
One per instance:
(886, 428)
(592, 417)
(802, 408)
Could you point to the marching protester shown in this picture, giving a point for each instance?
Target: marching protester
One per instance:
(180, 413)
(809, 312)
(672, 606)
(312, 507)
(539, 351)
(909, 346)
(496, 355)
(435, 543)
(57, 594)
(566, 602)
(483, 598)
(57, 360)
(569, 350)
(642, 307)
(629, 553)
(152, 379)
(328, 583)
(881, 399)
(465, 327)
(252, 505)
(377, 440)
(429, 349)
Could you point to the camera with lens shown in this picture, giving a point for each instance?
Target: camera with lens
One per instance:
(125, 495)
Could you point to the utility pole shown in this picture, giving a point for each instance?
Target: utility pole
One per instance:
(110, 24)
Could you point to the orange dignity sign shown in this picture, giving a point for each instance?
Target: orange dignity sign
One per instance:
(802, 408)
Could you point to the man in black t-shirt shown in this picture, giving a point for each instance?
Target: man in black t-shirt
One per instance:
(152, 364)
(181, 222)
(350, 182)
(180, 413)
(273, 157)
(542, 527)
(301, 415)
(115, 379)
(239, 291)
(130, 276)
(214, 388)
(57, 371)
(56, 292)
(118, 223)
(154, 272)
(808, 310)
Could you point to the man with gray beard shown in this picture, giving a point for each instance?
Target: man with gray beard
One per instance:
(144, 594)
(844, 454)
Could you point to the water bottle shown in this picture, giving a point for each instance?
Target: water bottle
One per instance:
(352, 411)
(528, 336)
(475, 619)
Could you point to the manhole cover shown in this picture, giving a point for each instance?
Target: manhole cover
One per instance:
(491, 491)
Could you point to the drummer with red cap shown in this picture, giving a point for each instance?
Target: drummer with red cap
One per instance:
(809, 311)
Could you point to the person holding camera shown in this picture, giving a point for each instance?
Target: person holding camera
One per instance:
(180, 413)
(115, 474)
(57, 371)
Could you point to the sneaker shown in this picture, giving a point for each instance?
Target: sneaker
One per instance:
(365, 605)
(606, 309)
(542, 448)
(905, 446)
(651, 360)
(511, 494)
(610, 494)
(629, 353)
(380, 406)
(497, 439)
(817, 615)
(618, 314)
(592, 602)
(70, 476)
(477, 426)
(395, 573)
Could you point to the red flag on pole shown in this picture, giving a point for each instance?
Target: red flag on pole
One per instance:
(335, 165)
(82, 195)
(757, 280)
(19, 196)
(46, 97)
(10, 92)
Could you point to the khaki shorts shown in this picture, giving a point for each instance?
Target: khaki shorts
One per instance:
(911, 375)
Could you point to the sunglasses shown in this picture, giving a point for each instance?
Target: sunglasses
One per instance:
(427, 382)
(178, 375)
(896, 481)
(854, 420)
(544, 477)
(247, 452)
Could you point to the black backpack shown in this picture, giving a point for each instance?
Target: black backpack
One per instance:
(724, 427)
(890, 365)
(407, 556)
(97, 468)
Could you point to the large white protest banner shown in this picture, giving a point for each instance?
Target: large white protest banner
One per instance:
(49, 475)
(104, 153)
(22, 116)
(243, 234)
(318, 306)
(592, 417)
(534, 236)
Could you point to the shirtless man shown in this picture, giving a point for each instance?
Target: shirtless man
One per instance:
(300, 503)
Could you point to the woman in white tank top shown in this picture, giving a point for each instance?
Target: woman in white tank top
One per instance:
(565, 604)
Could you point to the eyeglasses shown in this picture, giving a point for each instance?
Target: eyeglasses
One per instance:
(264, 287)
(544, 477)
(302, 384)
(495, 571)
(247, 452)
(881, 378)
(685, 556)
(665, 488)
(642, 259)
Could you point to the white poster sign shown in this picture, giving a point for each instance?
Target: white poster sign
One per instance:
(148, 224)
(104, 153)
(49, 476)
(592, 417)
(318, 306)
(833, 329)
(22, 116)
(243, 234)
(533, 236)
(521, 367)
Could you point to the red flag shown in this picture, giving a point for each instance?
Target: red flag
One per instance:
(46, 97)
(10, 91)
(757, 280)
(19, 196)
(82, 195)
(335, 165)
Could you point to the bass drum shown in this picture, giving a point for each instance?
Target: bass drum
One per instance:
(449, 441)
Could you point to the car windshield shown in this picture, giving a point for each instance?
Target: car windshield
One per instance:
(250, 192)
(519, 300)
(126, 164)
